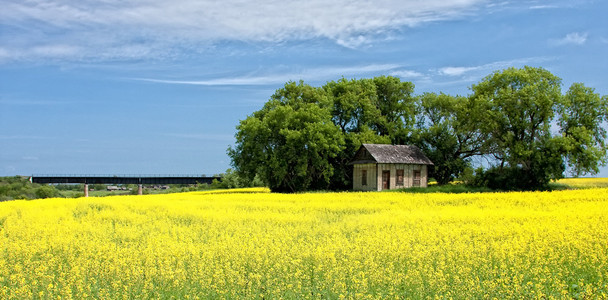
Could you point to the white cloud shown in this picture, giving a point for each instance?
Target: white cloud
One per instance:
(477, 71)
(456, 71)
(113, 29)
(5, 54)
(543, 6)
(407, 74)
(55, 50)
(328, 73)
(574, 38)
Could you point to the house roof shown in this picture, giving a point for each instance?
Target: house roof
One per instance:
(392, 154)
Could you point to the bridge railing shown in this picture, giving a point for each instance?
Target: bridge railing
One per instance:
(121, 175)
(122, 179)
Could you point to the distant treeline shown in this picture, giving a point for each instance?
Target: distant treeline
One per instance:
(19, 187)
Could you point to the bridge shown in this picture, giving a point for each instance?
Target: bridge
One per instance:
(140, 180)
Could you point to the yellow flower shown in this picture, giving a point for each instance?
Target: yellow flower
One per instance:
(255, 244)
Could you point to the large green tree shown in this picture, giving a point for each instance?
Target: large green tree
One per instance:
(521, 106)
(304, 137)
(582, 121)
(289, 141)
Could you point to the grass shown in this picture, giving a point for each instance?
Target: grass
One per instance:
(459, 187)
(454, 188)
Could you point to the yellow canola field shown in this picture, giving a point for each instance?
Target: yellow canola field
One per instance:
(585, 182)
(318, 245)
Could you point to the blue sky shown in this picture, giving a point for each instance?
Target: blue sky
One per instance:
(157, 87)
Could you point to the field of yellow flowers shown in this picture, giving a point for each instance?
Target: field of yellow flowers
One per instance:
(584, 182)
(255, 244)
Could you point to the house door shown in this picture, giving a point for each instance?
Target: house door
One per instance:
(386, 180)
(416, 178)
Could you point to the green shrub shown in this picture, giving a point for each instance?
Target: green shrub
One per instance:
(47, 191)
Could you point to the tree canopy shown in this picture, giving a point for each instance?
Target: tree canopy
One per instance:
(523, 108)
(448, 133)
(518, 119)
(290, 141)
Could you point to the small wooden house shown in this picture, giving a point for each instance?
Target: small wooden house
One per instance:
(382, 167)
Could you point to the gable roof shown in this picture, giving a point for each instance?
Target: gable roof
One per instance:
(391, 154)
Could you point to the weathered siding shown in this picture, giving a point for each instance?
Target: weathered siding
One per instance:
(425, 177)
(374, 176)
(408, 175)
(371, 177)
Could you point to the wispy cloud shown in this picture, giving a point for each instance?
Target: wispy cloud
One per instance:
(476, 71)
(574, 38)
(553, 4)
(407, 74)
(457, 71)
(75, 29)
(543, 6)
(327, 73)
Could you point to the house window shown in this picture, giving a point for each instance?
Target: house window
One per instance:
(399, 177)
(363, 177)
(416, 178)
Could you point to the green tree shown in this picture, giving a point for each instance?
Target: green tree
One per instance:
(355, 112)
(447, 132)
(289, 141)
(395, 100)
(582, 122)
(353, 104)
(232, 180)
(47, 191)
(520, 107)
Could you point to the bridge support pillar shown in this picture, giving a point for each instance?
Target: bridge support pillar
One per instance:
(86, 189)
(140, 189)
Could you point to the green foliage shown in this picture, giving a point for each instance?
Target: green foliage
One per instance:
(447, 188)
(397, 108)
(69, 187)
(447, 132)
(232, 180)
(289, 142)
(304, 137)
(17, 187)
(47, 191)
(582, 121)
(356, 112)
(520, 107)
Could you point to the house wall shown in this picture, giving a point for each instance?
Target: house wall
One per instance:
(408, 174)
(374, 176)
(371, 177)
(424, 181)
